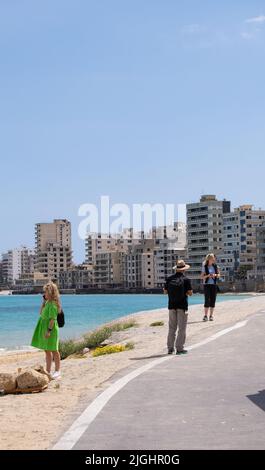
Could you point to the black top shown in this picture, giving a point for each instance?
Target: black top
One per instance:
(175, 298)
(206, 270)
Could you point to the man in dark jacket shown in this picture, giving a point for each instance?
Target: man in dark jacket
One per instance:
(178, 287)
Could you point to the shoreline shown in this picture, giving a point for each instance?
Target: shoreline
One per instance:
(29, 349)
(130, 292)
(36, 421)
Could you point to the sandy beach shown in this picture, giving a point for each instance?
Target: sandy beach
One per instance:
(35, 421)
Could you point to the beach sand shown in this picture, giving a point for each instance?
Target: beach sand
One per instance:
(36, 421)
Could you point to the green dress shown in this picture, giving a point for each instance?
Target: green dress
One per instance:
(49, 312)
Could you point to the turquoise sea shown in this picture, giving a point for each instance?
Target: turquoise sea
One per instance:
(19, 314)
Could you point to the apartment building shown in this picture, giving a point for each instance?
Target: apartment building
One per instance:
(32, 281)
(148, 271)
(4, 269)
(168, 250)
(77, 277)
(1, 273)
(229, 259)
(101, 243)
(249, 221)
(53, 248)
(260, 243)
(138, 265)
(166, 256)
(17, 262)
(107, 269)
(204, 231)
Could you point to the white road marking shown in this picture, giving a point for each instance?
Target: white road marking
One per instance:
(77, 429)
(219, 334)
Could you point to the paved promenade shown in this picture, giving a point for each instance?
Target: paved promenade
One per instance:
(212, 398)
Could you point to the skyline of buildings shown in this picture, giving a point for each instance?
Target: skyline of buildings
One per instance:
(236, 236)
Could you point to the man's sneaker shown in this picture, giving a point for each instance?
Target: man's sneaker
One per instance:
(205, 318)
(170, 351)
(184, 351)
(56, 375)
(211, 318)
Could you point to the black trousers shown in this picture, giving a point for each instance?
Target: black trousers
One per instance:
(210, 293)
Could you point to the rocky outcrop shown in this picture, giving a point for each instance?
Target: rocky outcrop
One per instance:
(30, 378)
(41, 370)
(7, 382)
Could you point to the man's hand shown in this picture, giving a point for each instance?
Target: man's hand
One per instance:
(190, 293)
(48, 334)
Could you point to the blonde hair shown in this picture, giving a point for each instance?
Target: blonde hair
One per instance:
(53, 294)
(208, 257)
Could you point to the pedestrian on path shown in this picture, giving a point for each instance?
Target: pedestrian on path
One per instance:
(46, 334)
(178, 288)
(210, 274)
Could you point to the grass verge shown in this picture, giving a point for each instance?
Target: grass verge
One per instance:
(157, 323)
(92, 340)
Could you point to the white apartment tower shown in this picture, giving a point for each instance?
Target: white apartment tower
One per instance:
(204, 231)
(17, 262)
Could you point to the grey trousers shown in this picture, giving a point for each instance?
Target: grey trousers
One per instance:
(177, 320)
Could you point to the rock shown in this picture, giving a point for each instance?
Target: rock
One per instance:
(86, 350)
(7, 382)
(30, 378)
(41, 370)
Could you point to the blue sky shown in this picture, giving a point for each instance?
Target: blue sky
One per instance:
(144, 101)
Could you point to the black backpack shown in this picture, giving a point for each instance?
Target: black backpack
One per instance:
(61, 319)
(176, 288)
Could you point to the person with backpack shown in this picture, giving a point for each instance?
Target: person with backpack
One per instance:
(210, 274)
(178, 288)
(46, 334)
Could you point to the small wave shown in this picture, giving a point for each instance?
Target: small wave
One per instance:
(23, 348)
(18, 349)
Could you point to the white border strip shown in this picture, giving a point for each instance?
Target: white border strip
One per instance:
(77, 429)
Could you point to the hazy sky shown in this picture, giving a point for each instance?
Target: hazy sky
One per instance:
(144, 101)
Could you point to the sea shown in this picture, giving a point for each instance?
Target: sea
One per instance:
(19, 313)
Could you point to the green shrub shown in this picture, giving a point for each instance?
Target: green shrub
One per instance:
(69, 347)
(123, 325)
(92, 340)
(157, 323)
(97, 337)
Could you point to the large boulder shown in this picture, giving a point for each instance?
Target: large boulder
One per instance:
(31, 379)
(7, 382)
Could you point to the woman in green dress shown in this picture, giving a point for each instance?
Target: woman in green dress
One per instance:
(46, 334)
